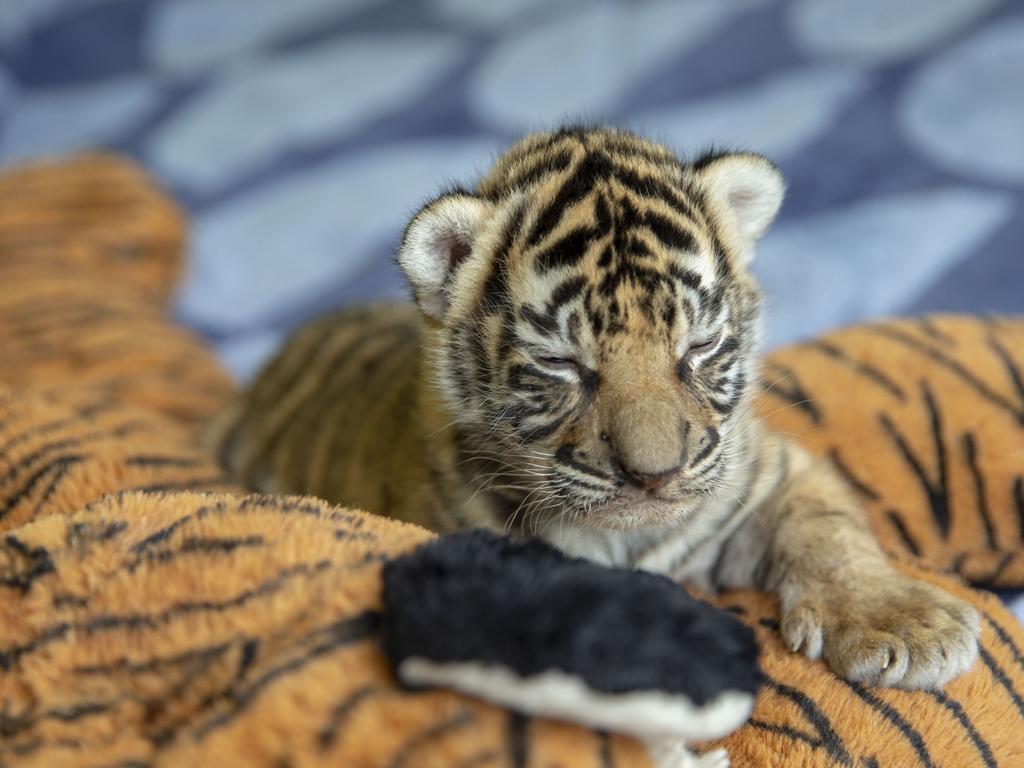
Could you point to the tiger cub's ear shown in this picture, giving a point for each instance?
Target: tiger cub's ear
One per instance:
(747, 188)
(436, 243)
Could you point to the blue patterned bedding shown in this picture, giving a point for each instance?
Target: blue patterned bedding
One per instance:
(301, 134)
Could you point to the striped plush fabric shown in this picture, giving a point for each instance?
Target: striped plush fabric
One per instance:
(151, 617)
(90, 252)
(925, 417)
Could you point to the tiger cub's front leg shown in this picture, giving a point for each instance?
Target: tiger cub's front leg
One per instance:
(840, 597)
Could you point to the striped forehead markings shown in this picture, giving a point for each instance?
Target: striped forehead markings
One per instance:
(709, 298)
(609, 156)
(543, 165)
(706, 298)
(596, 168)
(654, 205)
(669, 232)
(566, 291)
(568, 250)
(591, 169)
(546, 321)
(629, 271)
(689, 278)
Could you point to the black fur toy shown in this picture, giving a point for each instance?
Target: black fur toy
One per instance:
(524, 626)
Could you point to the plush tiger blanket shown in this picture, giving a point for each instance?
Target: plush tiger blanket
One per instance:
(149, 616)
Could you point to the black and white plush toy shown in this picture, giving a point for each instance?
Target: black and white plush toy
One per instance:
(524, 626)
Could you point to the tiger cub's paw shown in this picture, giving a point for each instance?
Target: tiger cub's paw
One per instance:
(890, 631)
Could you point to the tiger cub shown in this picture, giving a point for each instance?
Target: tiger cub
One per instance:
(581, 368)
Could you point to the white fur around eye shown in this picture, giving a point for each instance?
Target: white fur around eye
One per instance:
(565, 367)
(699, 347)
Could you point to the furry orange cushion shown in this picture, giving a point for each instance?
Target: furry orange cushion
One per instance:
(90, 252)
(185, 629)
(173, 628)
(925, 417)
(58, 453)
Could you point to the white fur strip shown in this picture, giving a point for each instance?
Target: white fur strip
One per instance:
(645, 714)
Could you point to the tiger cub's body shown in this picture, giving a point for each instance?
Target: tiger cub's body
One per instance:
(345, 413)
(581, 368)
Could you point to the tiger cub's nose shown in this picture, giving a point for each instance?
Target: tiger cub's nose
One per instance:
(646, 481)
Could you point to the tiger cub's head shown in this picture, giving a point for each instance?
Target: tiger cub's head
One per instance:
(594, 322)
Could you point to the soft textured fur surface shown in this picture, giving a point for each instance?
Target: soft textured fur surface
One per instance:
(618, 630)
(925, 418)
(91, 254)
(166, 628)
(584, 370)
(539, 632)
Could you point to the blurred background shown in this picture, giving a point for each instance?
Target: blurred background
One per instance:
(301, 134)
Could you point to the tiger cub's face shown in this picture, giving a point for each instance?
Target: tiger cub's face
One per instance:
(595, 325)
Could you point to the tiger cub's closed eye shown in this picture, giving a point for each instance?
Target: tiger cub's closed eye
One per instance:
(560, 363)
(705, 344)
